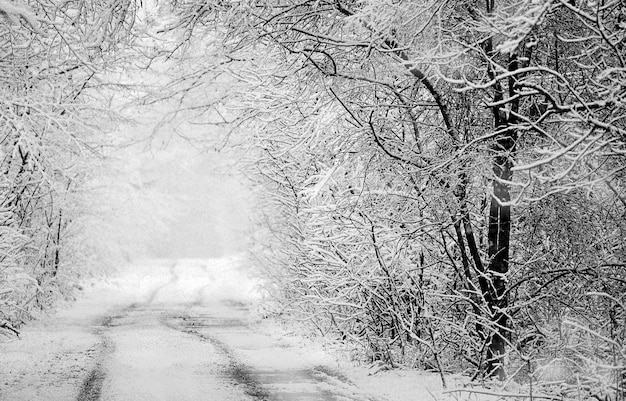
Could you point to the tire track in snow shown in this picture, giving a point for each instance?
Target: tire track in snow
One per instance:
(174, 278)
(236, 371)
(318, 383)
(91, 388)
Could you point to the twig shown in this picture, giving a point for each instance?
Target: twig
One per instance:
(486, 392)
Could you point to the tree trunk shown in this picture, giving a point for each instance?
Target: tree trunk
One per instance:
(498, 251)
(57, 245)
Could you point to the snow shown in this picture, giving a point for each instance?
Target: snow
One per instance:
(187, 329)
(165, 365)
(8, 9)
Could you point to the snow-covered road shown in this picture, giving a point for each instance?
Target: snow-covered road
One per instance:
(168, 330)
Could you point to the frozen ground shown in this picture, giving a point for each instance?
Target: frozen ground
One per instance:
(184, 330)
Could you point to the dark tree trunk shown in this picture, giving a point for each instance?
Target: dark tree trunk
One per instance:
(498, 250)
(57, 246)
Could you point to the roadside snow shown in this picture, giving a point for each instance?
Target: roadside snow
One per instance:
(308, 352)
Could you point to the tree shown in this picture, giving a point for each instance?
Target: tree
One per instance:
(49, 120)
(445, 116)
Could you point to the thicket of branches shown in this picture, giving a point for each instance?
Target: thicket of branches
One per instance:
(51, 117)
(443, 181)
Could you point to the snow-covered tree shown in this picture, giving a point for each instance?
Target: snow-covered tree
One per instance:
(50, 119)
(439, 175)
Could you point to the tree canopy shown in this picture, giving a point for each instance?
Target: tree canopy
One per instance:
(444, 181)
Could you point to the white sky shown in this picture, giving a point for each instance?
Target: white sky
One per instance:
(214, 217)
(164, 197)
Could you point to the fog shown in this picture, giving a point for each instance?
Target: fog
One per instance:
(159, 194)
(212, 216)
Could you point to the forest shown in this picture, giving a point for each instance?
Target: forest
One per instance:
(439, 185)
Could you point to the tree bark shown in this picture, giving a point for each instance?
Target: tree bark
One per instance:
(498, 236)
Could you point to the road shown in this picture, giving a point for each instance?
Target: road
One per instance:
(167, 330)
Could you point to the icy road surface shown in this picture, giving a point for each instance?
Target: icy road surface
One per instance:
(167, 330)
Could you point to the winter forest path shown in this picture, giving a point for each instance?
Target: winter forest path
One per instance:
(167, 330)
